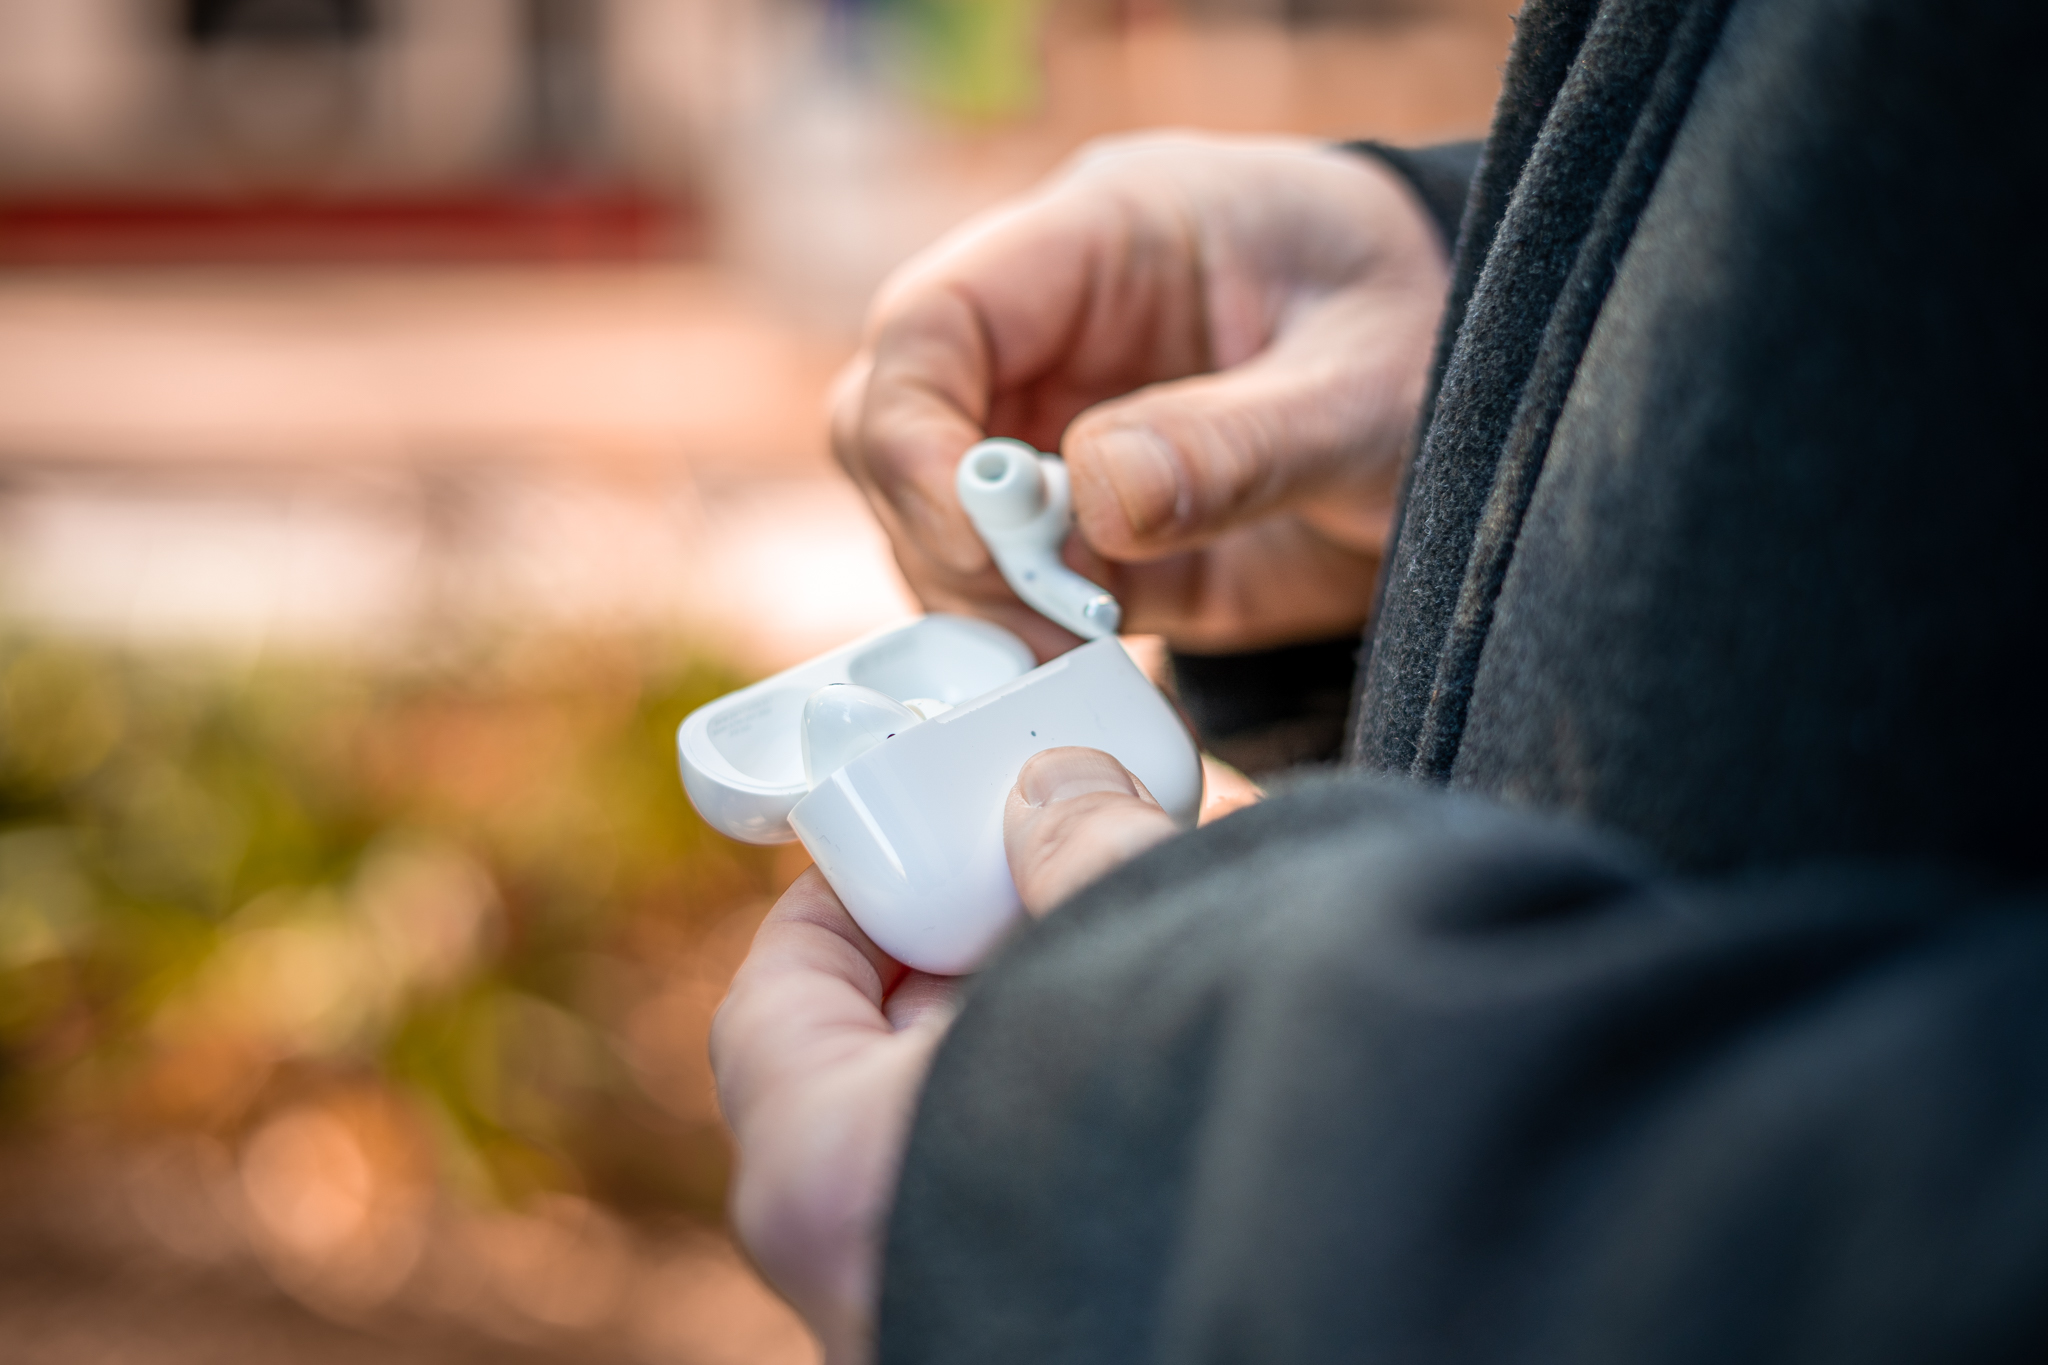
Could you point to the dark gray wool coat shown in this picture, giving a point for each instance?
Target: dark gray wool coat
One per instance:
(1672, 983)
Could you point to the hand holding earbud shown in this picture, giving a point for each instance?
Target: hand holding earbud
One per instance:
(1226, 339)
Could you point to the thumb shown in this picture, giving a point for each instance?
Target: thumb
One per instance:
(1175, 465)
(1074, 815)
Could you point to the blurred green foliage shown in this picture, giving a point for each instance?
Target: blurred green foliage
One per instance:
(479, 892)
(975, 59)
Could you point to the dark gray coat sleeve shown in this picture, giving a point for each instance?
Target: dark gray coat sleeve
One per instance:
(1374, 1072)
(1441, 177)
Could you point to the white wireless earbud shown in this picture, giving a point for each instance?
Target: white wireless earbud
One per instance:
(842, 721)
(1022, 507)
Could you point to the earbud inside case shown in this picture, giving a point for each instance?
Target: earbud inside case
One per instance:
(910, 832)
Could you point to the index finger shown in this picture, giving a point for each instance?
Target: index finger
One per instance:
(983, 313)
(908, 406)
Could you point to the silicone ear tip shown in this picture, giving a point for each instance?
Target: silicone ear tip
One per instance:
(991, 462)
(1001, 483)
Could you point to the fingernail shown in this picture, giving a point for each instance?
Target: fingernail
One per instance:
(1145, 477)
(1062, 774)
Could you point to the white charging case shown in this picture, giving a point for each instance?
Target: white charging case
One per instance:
(910, 833)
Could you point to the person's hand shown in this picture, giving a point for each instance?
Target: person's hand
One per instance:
(1228, 340)
(819, 1050)
(822, 1045)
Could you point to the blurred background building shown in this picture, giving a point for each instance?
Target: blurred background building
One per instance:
(409, 409)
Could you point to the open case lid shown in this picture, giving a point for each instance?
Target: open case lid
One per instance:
(741, 755)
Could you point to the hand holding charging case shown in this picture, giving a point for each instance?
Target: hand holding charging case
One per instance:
(891, 758)
(910, 832)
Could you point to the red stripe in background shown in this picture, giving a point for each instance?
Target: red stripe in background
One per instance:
(601, 225)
